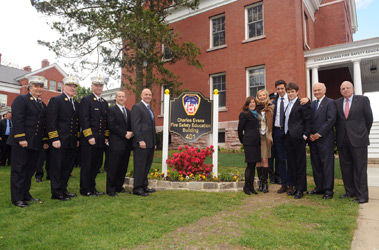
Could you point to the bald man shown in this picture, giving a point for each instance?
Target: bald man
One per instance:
(354, 121)
(322, 142)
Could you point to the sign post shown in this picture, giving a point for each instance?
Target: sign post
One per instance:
(166, 103)
(215, 133)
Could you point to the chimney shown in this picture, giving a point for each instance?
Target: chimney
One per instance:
(45, 63)
(28, 68)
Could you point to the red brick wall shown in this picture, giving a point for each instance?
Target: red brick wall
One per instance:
(10, 98)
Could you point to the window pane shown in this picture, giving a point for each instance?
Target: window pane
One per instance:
(221, 137)
(53, 85)
(218, 82)
(256, 80)
(60, 86)
(255, 21)
(218, 31)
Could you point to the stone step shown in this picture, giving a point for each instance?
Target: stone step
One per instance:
(373, 149)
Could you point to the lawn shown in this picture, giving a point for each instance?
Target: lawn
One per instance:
(155, 222)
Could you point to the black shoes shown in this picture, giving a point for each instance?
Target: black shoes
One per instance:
(20, 204)
(140, 193)
(314, 191)
(327, 196)
(346, 196)
(149, 190)
(88, 194)
(283, 189)
(112, 194)
(60, 197)
(246, 190)
(360, 201)
(291, 190)
(32, 199)
(123, 191)
(98, 192)
(298, 195)
(68, 194)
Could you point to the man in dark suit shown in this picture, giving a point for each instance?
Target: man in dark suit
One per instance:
(5, 130)
(93, 121)
(120, 144)
(63, 130)
(272, 162)
(322, 142)
(354, 121)
(143, 127)
(297, 127)
(27, 134)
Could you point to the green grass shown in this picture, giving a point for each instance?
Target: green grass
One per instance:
(126, 221)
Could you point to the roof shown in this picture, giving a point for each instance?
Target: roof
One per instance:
(9, 74)
(54, 65)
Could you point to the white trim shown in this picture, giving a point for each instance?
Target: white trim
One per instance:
(223, 108)
(42, 70)
(312, 6)
(205, 5)
(211, 33)
(10, 88)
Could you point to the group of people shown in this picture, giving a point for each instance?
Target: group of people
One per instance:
(285, 123)
(64, 124)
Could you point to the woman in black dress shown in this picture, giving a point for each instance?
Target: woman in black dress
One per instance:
(248, 134)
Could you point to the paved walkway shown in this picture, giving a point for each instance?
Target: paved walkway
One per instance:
(366, 237)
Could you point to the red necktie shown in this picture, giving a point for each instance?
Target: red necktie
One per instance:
(347, 108)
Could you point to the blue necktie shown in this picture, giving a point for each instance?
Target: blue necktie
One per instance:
(8, 129)
(151, 112)
(281, 117)
(316, 107)
(287, 117)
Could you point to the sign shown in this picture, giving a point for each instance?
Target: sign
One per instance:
(191, 116)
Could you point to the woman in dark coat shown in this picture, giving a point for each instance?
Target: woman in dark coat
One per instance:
(248, 134)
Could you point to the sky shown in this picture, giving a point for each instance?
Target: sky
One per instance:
(21, 26)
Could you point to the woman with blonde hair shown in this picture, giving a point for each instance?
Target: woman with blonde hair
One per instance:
(265, 111)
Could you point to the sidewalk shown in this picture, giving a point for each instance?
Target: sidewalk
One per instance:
(366, 236)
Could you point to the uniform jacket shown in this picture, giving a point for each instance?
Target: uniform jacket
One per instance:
(93, 120)
(358, 123)
(63, 121)
(29, 122)
(118, 127)
(143, 126)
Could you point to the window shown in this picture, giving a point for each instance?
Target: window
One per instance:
(167, 53)
(53, 85)
(219, 82)
(221, 136)
(256, 80)
(3, 100)
(60, 86)
(218, 31)
(254, 20)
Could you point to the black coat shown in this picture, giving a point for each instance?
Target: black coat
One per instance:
(323, 121)
(63, 121)
(29, 122)
(93, 120)
(143, 126)
(248, 134)
(300, 120)
(118, 128)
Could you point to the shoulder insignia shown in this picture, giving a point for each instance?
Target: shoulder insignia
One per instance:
(31, 98)
(19, 135)
(94, 99)
(87, 132)
(65, 99)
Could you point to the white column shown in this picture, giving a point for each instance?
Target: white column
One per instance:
(357, 77)
(314, 79)
(165, 130)
(309, 87)
(215, 133)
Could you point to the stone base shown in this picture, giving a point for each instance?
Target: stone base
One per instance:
(192, 185)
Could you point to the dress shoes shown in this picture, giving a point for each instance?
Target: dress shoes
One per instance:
(60, 197)
(283, 189)
(112, 194)
(149, 190)
(98, 192)
(38, 180)
(298, 195)
(140, 193)
(346, 196)
(88, 194)
(32, 199)
(291, 190)
(360, 201)
(20, 204)
(314, 191)
(68, 194)
(123, 191)
(246, 191)
(327, 196)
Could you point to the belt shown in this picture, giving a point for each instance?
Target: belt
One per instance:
(281, 128)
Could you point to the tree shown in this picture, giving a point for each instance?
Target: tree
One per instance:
(82, 92)
(123, 33)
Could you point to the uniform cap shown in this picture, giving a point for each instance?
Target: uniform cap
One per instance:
(97, 80)
(71, 80)
(37, 80)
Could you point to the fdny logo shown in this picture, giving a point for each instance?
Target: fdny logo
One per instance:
(191, 103)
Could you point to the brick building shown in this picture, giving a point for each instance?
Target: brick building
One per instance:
(14, 82)
(247, 45)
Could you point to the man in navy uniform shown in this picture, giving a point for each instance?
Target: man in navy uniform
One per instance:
(93, 121)
(26, 139)
(120, 144)
(63, 130)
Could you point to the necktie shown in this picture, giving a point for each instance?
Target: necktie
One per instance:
(124, 113)
(8, 129)
(316, 107)
(287, 117)
(72, 102)
(281, 117)
(347, 108)
(40, 102)
(151, 112)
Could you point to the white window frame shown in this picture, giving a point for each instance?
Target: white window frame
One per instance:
(211, 44)
(248, 78)
(211, 88)
(55, 88)
(60, 83)
(247, 38)
(3, 100)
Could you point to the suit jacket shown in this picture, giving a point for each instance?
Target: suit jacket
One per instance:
(248, 129)
(358, 123)
(300, 120)
(143, 126)
(63, 121)
(118, 127)
(3, 127)
(93, 120)
(29, 122)
(324, 119)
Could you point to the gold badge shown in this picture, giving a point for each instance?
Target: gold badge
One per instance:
(66, 99)
(94, 99)
(31, 98)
